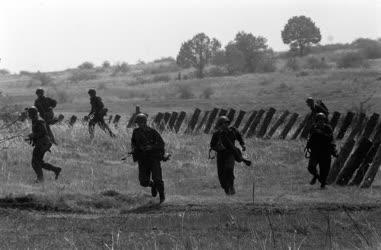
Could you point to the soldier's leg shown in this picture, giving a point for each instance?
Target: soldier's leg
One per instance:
(220, 171)
(144, 173)
(324, 167)
(50, 167)
(37, 161)
(312, 163)
(157, 176)
(92, 123)
(229, 173)
(103, 125)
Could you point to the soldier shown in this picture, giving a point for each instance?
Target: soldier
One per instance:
(97, 113)
(223, 142)
(320, 146)
(148, 150)
(317, 107)
(45, 107)
(41, 141)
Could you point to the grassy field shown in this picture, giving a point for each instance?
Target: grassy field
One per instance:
(98, 204)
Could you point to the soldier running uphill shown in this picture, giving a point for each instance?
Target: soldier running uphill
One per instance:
(40, 139)
(45, 107)
(148, 150)
(97, 114)
(320, 147)
(223, 142)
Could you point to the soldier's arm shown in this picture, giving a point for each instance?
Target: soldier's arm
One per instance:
(238, 136)
(52, 102)
(39, 131)
(133, 141)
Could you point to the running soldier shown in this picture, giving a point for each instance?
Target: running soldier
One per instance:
(45, 107)
(148, 149)
(320, 146)
(40, 139)
(97, 114)
(223, 142)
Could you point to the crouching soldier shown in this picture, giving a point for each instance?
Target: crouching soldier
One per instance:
(320, 147)
(97, 114)
(148, 150)
(39, 138)
(223, 142)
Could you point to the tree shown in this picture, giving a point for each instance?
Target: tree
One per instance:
(370, 48)
(197, 52)
(106, 64)
(300, 32)
(234, 59)
(86, 65)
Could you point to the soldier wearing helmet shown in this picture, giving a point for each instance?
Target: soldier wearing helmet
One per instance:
(321, 147)
(223, 142)
(97, 114)
(45, 107)
(148, 149)
(40, 139)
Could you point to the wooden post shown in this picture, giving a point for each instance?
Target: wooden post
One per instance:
(116, 120)
(377, 135)
(365, 165)
(131, 121)
(300, 127)
(353, 162)
(289, 125)
(371, 124)
(255, 123)
(172, 120)
(372, 171)
(334, 120)
(203, 121)
(167, 116)
(211, 119)
(231, 114)
(159, 116)
(109, 119)
(346, 123)
(357, 128)
(338, 164)
(72, 120)
(248, 122)
(266, 122)
(241, 115)
(180, 121)
(193, 121)
(307, 127)
(222, 112)
(279, 122)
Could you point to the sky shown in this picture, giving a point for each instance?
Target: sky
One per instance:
(51, 35)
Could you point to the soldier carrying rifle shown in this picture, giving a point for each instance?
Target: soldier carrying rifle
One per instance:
(97, 114)
(40, 140)
(148, 149)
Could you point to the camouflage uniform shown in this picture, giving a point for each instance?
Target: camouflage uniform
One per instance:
(42, 143)
(222, 142)
(148, 160)
(96, 115)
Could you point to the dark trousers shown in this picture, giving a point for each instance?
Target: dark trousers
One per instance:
(101, 123)
(324, 162)
(151, 168)
(38, 162)
(225, 169)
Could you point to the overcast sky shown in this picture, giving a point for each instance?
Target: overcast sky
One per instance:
(50, 35)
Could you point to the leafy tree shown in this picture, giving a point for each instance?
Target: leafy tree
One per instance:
(300, 32)
(235, 59)
(197, 52)
(370, 48)
(86, 65)
(106, 65)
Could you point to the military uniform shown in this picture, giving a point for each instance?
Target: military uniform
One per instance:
(45, 107)
(42, 143)
(149, 160)
(321, 146)
(97, 114)
(223, 142)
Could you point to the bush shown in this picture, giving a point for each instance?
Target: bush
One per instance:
(162, 68)
(293, 63)
(185, 92)
(106, 65)
(371, 49)
(120, 68)
(312, 62)
(207, 93)
(25, 73)
(86, 65)
(81, 75)
(351, 60)
(165, 60)
(161, 78)
(4, 72)
(43, 78)
(216, 71)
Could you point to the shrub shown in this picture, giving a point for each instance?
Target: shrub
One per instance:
(43, 78)
(351, 60)
(312, 62)
(86, 65)
(82, 75)
(165, 60)
(120, 68)
(207, 93)
(25, 73)
(185, 92)
(162, 68)
(4, 72)
(106, 65)
(161, 78)
(216, 71)
(264, 61)
(371, 49)
(293, 64)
